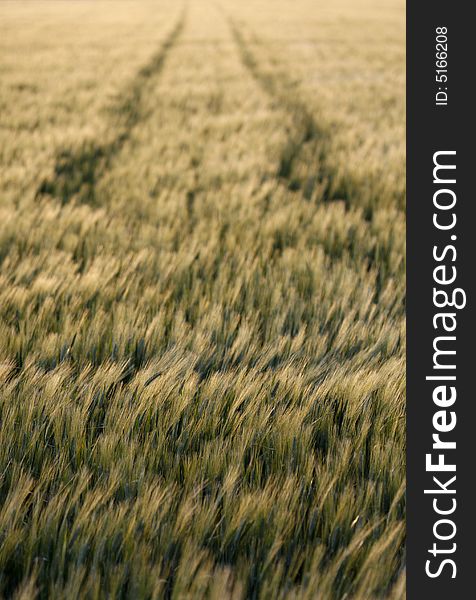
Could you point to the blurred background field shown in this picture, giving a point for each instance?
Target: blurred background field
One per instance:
(202, 287)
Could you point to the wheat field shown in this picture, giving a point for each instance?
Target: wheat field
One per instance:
(202, 287)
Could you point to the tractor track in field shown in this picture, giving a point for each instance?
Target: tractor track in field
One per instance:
(308, 143)
(306, 139)
(78, 169)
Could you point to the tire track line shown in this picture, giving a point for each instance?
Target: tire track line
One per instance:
(77, 170)
(309, 143)
(307, 136)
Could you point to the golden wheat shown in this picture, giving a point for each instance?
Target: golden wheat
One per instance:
(202, 289)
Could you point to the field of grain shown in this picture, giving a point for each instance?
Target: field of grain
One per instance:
(202, 287)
